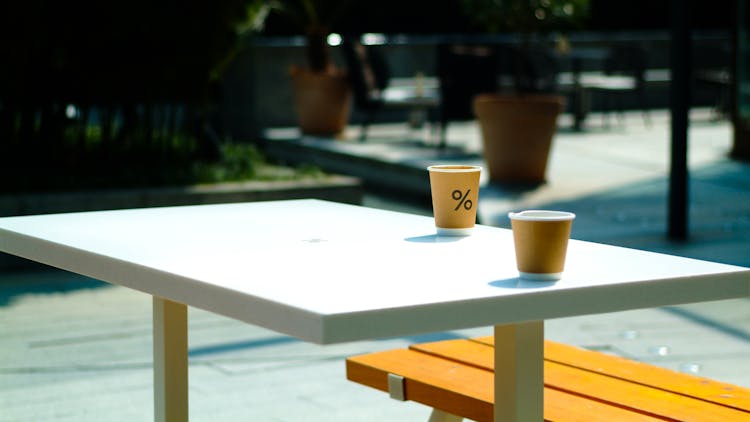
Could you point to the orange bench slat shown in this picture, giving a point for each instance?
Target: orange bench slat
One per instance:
(456, 376)
(596, 385)
(435, 382)
(429, 380)
(644, 373)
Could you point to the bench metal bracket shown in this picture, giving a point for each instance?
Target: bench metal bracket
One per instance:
(396, 387)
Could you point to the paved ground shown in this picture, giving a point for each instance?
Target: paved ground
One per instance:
(75, 349)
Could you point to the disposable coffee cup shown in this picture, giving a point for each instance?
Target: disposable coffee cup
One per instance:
(455, 192)
(541, 242)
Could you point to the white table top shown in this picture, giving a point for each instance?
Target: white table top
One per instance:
(327, 272)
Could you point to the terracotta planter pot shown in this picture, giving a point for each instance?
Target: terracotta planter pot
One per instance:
(517, 133)
(323, 101)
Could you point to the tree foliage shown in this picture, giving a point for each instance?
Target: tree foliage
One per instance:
(527, 16)
(113, 81)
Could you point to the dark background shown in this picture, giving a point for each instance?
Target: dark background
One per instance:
(430, 16)
(144, 77)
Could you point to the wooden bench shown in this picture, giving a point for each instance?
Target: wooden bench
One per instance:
(455, 378)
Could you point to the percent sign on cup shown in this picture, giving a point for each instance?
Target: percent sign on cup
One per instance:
(462, 199)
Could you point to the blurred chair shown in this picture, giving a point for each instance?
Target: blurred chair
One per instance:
(369, 76)
(463, 71)
(532, 71)
(624, 75)
(712, 76)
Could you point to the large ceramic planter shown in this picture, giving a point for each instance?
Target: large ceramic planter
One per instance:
(517, 133)
(322, 101)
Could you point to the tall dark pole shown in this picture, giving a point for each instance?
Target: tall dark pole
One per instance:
(680, 108)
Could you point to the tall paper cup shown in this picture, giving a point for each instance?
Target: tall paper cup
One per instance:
(541, 242)
(455, 191)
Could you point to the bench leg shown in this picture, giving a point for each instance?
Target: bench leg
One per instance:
(519, 372)
(440, 416)
(170, 361)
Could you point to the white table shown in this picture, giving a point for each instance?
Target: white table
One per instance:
(327, 272)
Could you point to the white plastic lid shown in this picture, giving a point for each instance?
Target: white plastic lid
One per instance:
(456, 168)
(542, 215)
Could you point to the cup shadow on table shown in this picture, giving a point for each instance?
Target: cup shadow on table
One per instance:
(519, 283)
(508, 283)
(434, 238)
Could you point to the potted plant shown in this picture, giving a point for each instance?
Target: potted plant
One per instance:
(322, 96)
(518, 122)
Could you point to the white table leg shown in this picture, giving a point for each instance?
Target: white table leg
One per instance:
(519, 372)
(440, 416)
(170, 361)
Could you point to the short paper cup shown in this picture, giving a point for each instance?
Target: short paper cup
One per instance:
(455, 191)
(541, 242)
